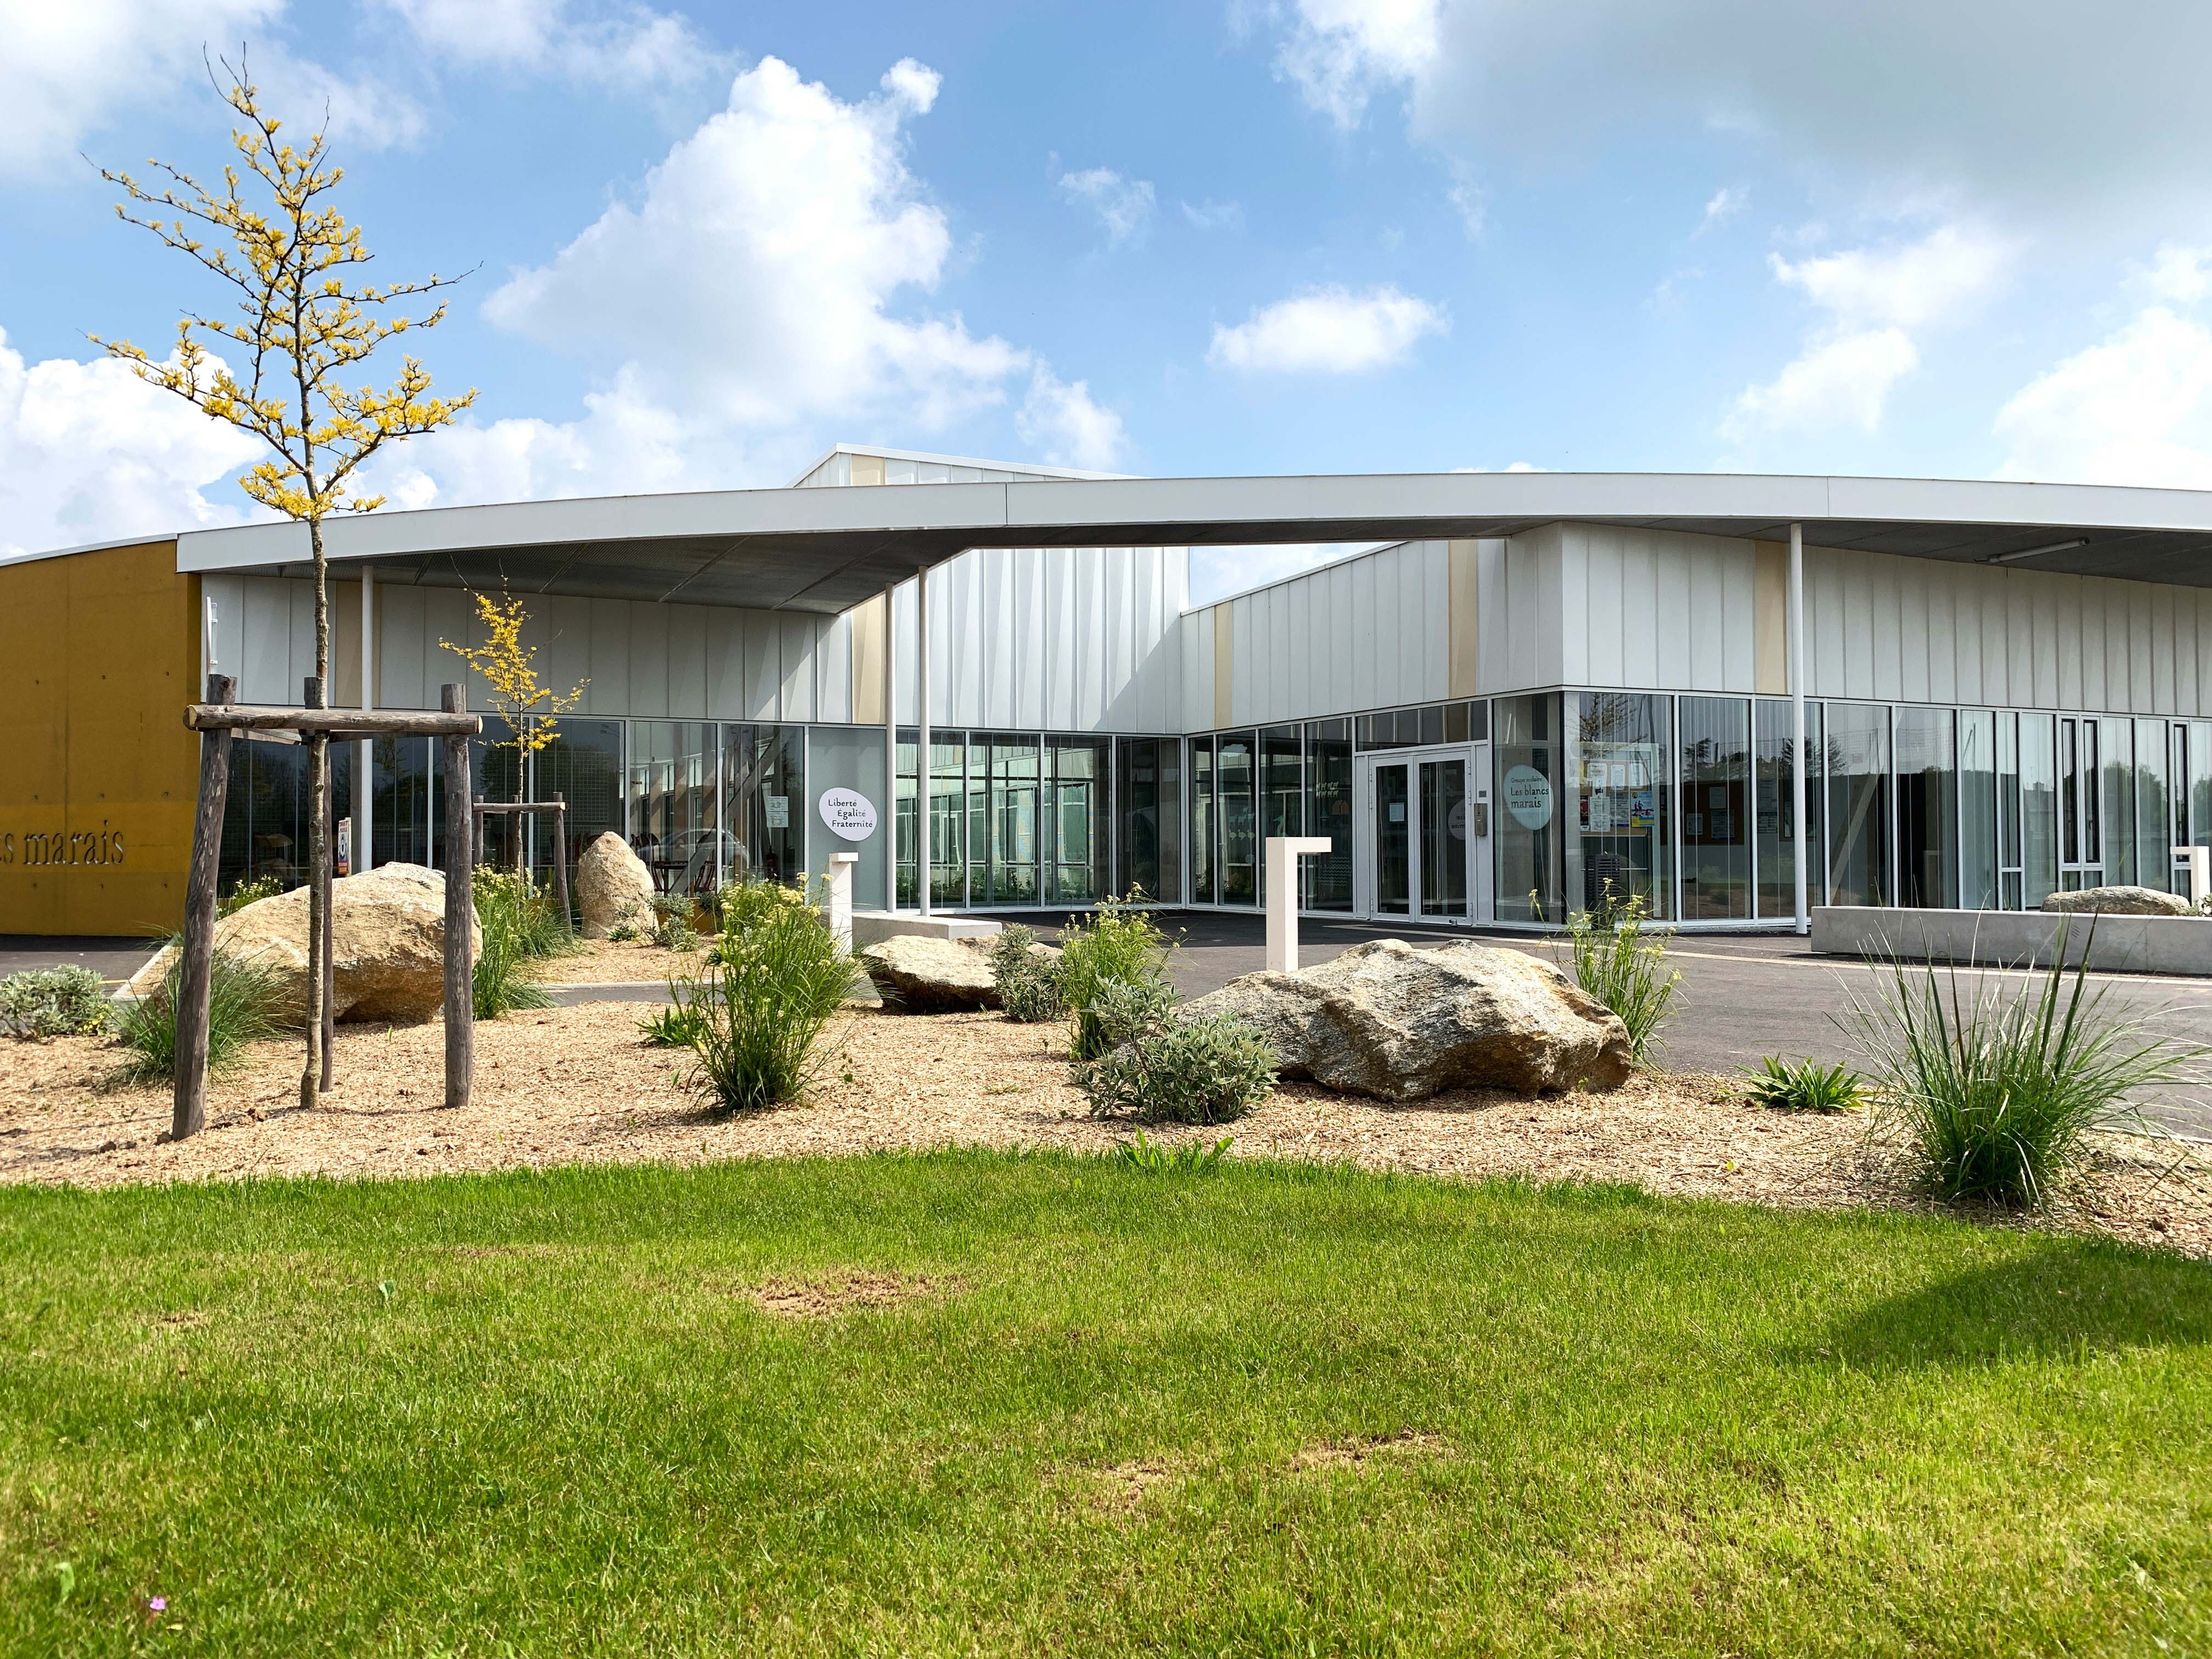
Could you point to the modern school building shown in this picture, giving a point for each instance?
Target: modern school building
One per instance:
(1531, 689)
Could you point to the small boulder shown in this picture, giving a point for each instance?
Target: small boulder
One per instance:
(918, 976)
(613, 888)
(2120, 901)
(1401, 1025)
(387, 945)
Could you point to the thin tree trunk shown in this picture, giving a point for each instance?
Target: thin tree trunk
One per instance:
(319, 848)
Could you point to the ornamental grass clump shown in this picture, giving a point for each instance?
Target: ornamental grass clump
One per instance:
(1624, 969)
(247, 890)
(1027, 979)
(244, 998)
(1157, 1066)
(52, 1002)
(1995, 1089)
(514, 934)
(758, 1004)
(1121, 945)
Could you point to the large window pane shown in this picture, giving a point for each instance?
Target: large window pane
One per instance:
(1977, 809)
(906, 816)
(848, 757)
(2118, 738)
(671, 808)
(1525, 830)
(949, 817)
(1443, 789)
(1774, 748)
(1282, 786)
(1149, 781)
(1716, 763)
(1617, 841)
(766, 803)
(403, 776)
(1202, 821)
(1080, 828)
(1010, 823)
(1235, 773)
(1927, 810)
(2009, 850)
(2154, 816)
(2200, 783)
(583, 766)
(1857, 756)
(1329, 812)
(2039, 810)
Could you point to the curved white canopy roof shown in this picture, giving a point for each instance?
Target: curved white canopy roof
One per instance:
(826, 549)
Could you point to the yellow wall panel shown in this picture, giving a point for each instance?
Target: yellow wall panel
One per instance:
(96, 804)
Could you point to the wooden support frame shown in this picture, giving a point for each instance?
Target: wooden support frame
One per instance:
(218, 721)
(558, 806)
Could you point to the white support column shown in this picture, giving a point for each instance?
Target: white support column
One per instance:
(1797, 718)
(889, 817)
(840, 884)
(364, 784)
(1283, 854)
(921, 848)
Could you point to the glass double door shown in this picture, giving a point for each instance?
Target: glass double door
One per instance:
(1426, 832)
(2081, 826)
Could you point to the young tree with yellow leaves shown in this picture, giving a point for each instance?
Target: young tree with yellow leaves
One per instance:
(306, 322)
(510, 668)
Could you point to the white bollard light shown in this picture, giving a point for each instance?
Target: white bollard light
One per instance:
(2197, 861)
(840, 884)
(1283, 854)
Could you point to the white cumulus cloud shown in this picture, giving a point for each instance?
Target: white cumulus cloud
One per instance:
(1068, 425)
(2134, 409)
(1330, 331)
(1124, 206)
(89, 453)
(1724, 205)
(1339, 53)
(620, 44)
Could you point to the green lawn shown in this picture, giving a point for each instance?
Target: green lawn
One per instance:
(540, 1415)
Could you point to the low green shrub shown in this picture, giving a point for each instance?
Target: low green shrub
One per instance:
(1160, 1067)
(509, 918)
(1996, 1088)
(674, 921)
(247, 890)
(1029, 983)
(1624, 969)
(1194, 1157)
(1121, 945)
(528, 913)
(745, 903)
(52, 1002)
(1804, 1086)
(759, 1001)
(243, 1000)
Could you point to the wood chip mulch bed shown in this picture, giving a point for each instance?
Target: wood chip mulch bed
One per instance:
(576, 1085)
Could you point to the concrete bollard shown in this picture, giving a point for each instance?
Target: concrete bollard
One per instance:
(840, 884)
(1283, 854)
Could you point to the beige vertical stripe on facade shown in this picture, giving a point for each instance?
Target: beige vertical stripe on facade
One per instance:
(867, 468)
(1463, 623)
(1770, 619)
(345, 645)
(870, 622)
(1225, 661)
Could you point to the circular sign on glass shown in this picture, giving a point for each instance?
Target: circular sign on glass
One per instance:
(849, 813)
(1528, 797)
(1455, 821)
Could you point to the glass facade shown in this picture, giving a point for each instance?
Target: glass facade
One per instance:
(1236, 775)
(1329, 812)
(1524, 832)
(1927, 809)
(1774, 805)
(1150, 781)
(1856, 764)
(1716, 790)
(1977, 809)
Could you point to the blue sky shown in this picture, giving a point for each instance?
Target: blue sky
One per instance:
(1964, 240)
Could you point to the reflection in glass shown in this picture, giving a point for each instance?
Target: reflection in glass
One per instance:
(1080, 830)
(1394, 841)
(1857, 766)
(1149, 781)
(582, 765)
(1716, 751)
(1774, 826)
(1329, 812)
(1927, 810)
(2200, 783)
(1443, 838)
(670, 808)
(764, 802)
(1201, 820)
(1282, 786)
(1524, 827)
(2154, 822)
(2118, 772)
(948, 818)
(1616, 831)
(1235, 774)
(2009, 850)
(2040, 805)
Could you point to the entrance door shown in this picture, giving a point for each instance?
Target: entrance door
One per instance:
(2081, 837)
(1426, 835)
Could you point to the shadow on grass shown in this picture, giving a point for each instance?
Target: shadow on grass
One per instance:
(2068, 1297)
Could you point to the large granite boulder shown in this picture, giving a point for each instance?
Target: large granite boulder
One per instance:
(918, 976)
(387, 945)
(613, 888)
(2121, 901)
(1387, 1020)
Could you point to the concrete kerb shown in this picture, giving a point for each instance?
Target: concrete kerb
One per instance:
(1998, 939)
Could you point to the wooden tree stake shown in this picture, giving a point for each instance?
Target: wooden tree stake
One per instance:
(195, 968)
(460, 908)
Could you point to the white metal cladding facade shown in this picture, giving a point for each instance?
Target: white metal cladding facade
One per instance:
(1607, 606)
